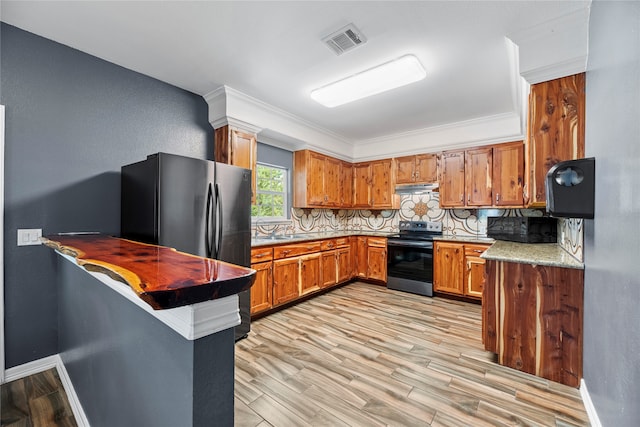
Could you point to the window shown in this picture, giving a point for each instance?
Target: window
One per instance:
(272, 190)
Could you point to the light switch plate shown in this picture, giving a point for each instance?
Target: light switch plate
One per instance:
(29, 236)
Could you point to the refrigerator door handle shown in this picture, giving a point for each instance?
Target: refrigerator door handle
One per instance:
(218, 222)
(207, 235)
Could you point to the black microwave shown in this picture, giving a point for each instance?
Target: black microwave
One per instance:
(523, 229)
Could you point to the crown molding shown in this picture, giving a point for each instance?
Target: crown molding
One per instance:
(480, 131)
(554, 49)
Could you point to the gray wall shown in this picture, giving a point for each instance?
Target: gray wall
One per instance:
(612, 239)
(278, 157)
(72, 120)
(129, 369)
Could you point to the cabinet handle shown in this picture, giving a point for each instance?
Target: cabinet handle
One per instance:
(497, 197)
(469, 198)
(462, 198)
(286, 252)
(259, 255)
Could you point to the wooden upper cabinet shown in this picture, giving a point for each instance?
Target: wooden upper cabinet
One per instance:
(346, 185)
(418, 169)
(362, 185)
(382, 191)
(478, 169)
(317, 180)
(238, 148)
(508, 174)
(452, 188)
(555, 131)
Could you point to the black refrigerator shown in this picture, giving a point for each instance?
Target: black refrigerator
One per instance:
(193, 205)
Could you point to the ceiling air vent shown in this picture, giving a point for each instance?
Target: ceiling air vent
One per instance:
(344, 39)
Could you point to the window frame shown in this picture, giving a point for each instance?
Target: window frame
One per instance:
(285, 194)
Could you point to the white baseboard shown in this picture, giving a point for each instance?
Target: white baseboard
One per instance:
(43, 364)
(588, 405)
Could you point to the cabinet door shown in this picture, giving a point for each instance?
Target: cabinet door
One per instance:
(474, 276)
(346, 185)
(262, 289)
(381, 184)
(362, 185)
(555, 130)
(452, 179)
(329, 268)
(426, 169)
(478, 169)
(315, 179)
(448, 268)
(286, 276)
(360, 251)
(332, 182)
(508, 174)
(377, 258)
(309, 273)
(405, 169)
(343, 256)
(237, 148)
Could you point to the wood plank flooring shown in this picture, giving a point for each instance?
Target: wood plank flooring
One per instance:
(362, 355)
(38, 400)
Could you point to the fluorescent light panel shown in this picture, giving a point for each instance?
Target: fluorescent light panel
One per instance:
(390, 75)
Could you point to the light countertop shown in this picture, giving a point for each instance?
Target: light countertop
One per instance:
(550, 254)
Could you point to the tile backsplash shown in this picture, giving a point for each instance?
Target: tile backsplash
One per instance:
(422, 207)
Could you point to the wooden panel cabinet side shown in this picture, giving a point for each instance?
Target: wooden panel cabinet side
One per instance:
(286, 279)
(262, 289)
(448, 268)
(490, 305)
(508, 174)
(478, 169)
(555, 131)
(362, 185)
(452, 187)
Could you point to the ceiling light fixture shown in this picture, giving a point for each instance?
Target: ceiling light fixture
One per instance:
(390, 75)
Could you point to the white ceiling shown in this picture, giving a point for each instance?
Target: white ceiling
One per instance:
(272, 51)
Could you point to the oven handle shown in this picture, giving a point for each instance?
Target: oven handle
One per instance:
(409, 244)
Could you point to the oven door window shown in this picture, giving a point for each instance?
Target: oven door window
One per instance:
(410, 263)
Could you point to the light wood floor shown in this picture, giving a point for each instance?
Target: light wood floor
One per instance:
(362, 355)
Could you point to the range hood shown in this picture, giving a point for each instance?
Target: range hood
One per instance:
(416, 188)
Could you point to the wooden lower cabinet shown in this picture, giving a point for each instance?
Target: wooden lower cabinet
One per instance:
(262, 289)
(532, 318)
(371, 258)
(285, 273)
(286, 276)
(458, 268)
(309, 273)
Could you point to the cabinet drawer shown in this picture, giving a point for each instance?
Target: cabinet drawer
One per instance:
(474, 250)
(327, 245)
(261, 254)
(287, 251)
(343, 242)
(380, 242)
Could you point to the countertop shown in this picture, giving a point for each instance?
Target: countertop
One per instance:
(464, 239)
(305, 237)
(550, 254)
(162, 277)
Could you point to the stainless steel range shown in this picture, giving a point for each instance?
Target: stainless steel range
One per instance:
(410, 257)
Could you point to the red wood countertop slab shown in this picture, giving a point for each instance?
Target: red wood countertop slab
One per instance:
(161, 276)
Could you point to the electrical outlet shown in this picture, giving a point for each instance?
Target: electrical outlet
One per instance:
(29, 236)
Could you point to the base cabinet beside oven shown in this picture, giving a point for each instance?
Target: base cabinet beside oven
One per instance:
(458, 268)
